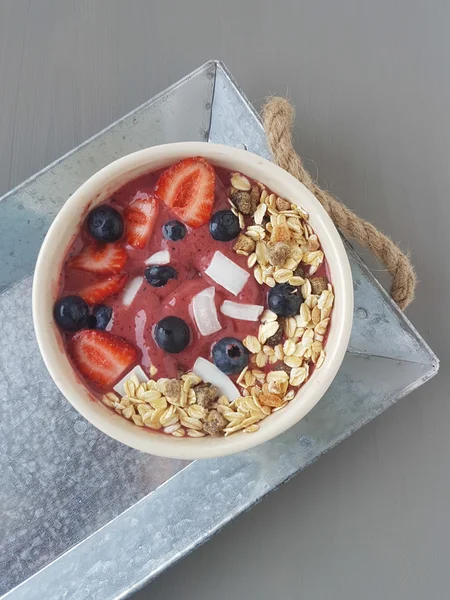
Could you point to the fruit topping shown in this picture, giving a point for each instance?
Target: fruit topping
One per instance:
(284, 300)
(244, 312)
(99, 291)
(159, 258)
(100, 356)
(131, 289)
(227, 273)
(188, 188)
(105, 224)
(205, 313)
(71, 313)
(140, 218)
(172, 334)
(101, 316)
(211, 374)
(224, 226)
(230, 355)
(269, 399)
(174, 231)
(159, 275)
(101, 259)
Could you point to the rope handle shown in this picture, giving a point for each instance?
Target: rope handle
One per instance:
(278, 119)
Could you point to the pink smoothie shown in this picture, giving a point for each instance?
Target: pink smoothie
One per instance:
(189, 257)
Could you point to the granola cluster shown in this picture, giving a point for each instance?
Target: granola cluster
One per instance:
(282, 247)
(185, 407)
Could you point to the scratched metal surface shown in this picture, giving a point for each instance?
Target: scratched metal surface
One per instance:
(62, 480)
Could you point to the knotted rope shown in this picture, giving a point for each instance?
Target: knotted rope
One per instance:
(278, 118)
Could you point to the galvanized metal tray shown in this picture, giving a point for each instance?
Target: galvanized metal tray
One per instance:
(85, 517)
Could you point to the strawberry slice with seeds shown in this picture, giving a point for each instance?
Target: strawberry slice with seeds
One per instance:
(99, 291)
(188, 188)
(101, 259)
(140, 218)
(101, 357)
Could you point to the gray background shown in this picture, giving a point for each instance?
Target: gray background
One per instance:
(371, 84)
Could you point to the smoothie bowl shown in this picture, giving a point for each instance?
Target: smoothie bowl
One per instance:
(192, 300)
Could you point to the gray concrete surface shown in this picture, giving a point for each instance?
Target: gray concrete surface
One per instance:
(372, 88)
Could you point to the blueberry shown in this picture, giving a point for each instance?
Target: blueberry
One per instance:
(159, 275)
(172, 334)
(284, 300)
(224, 226)
(105, 224)
(71, 313)
(230, 355)
(100, 317)
(174, 230)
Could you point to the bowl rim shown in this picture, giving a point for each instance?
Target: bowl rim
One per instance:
(49, 340)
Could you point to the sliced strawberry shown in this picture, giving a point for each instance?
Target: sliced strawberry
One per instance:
(101, 357)
(101, 259)
(99, 291)
(188, 188)
(140, 218)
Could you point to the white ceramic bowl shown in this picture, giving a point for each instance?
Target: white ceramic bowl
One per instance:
(96, 190)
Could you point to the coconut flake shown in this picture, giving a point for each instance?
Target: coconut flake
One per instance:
(110, 324)
(211, 374)
(205, 313)
(130, 291)
(243, 312)
(227, 273)
(140, 374)
(159, 258)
